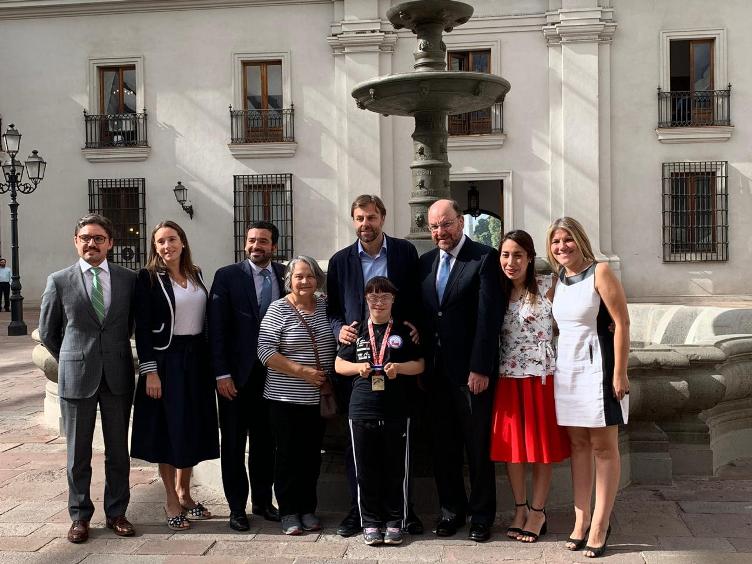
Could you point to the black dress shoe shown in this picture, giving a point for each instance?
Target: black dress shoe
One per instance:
(239, 521)
(268, 512)
(350, 525)
(479, 532)
(413, 524)
(448, 527)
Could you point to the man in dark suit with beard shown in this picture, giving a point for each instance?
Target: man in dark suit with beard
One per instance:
(373, 254)
(462, 318)
(238, 300)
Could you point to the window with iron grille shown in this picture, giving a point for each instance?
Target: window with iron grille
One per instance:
(264, 197)
(123, 201)
(695, 211)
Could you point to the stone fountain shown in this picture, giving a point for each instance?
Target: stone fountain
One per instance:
(429, 94)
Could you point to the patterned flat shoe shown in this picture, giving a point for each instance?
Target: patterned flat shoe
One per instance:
(177, 523)
(196, 513)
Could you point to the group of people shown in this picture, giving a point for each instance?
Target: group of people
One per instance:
(463, 335)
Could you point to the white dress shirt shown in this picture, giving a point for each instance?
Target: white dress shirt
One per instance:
(104, 281)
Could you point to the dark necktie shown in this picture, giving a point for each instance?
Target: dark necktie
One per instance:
(266, 291)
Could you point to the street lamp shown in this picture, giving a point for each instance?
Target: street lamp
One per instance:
(13, 172)
(181, 195)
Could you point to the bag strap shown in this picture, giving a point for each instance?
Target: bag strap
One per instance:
(310, 333)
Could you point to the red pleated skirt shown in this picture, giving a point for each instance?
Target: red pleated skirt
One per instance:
(524, 422)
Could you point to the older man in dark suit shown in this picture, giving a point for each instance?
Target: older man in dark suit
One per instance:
(238, 300)
(462, 317)
(86, 321)
(373, 254)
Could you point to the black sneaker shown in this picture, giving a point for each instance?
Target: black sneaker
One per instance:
(393, 535)
(372, 536)
(350, 525)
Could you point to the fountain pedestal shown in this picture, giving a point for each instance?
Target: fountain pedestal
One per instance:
(429, 95)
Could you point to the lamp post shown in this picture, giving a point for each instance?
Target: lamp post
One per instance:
(13, 172)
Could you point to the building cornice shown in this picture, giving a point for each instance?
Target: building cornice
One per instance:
(580, 25)
(362, 41)
(22, 9)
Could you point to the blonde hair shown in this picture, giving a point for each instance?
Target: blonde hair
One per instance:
(575, 229)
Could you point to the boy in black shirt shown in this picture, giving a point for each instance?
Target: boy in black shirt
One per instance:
(381, 356)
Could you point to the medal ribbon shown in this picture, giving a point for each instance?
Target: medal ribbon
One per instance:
(379, 359)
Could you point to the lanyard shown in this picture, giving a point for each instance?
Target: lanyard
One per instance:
(378, 359)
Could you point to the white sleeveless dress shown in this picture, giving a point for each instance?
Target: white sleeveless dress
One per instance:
(583, 385)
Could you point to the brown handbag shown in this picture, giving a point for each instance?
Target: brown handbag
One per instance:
(328, 402)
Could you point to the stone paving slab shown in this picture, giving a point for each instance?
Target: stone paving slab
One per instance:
(696, 557)
(716, 507)
(692, 520)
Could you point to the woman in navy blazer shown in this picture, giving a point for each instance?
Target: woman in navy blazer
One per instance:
(174, 415)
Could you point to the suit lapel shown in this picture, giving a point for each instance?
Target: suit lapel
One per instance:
(356, 268)
(250, 286)
(431, 281)
(456, 272)
(279, 271)
(77, 282)
(115, 290)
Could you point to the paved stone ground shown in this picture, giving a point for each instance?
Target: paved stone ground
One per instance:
(702, 520)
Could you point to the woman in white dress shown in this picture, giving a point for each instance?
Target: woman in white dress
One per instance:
(590, 384)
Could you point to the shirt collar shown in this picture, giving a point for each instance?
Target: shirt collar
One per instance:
(362, 251)
(85, 266)
(257, 269)
(456, 250)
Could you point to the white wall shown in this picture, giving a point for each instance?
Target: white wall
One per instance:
(342, 152)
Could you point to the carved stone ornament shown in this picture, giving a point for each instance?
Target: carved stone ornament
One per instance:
(420, 219)
(423, 89)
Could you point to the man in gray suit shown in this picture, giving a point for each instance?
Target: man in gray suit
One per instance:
(86, 322)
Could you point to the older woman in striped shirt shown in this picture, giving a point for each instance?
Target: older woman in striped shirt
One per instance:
(296, 344)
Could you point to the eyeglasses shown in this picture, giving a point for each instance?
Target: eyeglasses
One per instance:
(379, 299)
(98, 239)
(442, 225)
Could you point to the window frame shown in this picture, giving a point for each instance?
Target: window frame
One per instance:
(691, 249)
(94, 78)
(243, 210)
(239, 61)
(97, 187)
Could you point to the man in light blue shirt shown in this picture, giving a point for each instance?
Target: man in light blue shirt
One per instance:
(4, 285)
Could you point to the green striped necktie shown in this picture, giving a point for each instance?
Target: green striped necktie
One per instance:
(97, 295)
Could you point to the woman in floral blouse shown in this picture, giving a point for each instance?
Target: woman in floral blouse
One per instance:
(524, 417)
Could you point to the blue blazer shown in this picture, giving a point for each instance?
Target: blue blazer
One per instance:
(467, 322)
(155, 317)
(345, 286)
(234, 320)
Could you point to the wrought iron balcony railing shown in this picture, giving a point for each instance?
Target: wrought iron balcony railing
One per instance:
(489, 121)
(700, 108)
(262, 126)
(115, 130)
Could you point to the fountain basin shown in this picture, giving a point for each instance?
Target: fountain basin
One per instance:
(452, 92)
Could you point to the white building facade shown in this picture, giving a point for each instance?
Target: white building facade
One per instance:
(659, 178)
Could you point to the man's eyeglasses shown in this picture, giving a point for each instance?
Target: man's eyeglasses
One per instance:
(98, 239)
(379, 299)
(443, 225)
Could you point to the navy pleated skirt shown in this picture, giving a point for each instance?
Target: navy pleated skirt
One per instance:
(180, 428)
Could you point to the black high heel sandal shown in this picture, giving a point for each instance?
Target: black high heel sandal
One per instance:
(543, 529)
(599, 550)
(516, 530)
(578, 543)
